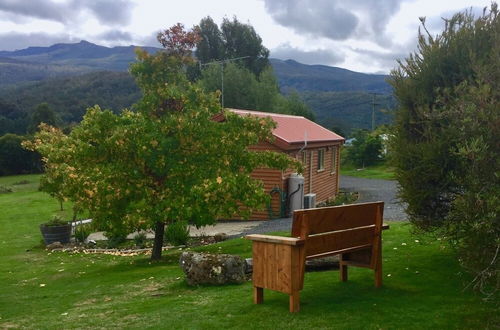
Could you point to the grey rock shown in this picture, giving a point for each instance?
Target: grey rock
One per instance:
(248, 265)
(325, 263)
(312, 265)
(219, 237)
(203, 268)
(55, 245)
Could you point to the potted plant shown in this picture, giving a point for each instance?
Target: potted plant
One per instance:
(56, 230)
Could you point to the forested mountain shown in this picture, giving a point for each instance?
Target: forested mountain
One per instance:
(322, 78)
(14, 71)
(349, 110)
(339, 97)
(69, 97)
(83, 54)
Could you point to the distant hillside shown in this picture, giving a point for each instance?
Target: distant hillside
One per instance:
(84, 54)
(349, 110)
(69, 97)
(339, 97)
(322, 78)
(14, 71)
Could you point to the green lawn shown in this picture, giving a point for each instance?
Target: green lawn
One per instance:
(38, 289)
(381, 171)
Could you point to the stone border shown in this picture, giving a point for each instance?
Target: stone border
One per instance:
(116, 252)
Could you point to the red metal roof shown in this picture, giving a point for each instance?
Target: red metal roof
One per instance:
(295, 129)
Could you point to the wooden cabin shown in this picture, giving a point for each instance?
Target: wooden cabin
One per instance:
(315, 146)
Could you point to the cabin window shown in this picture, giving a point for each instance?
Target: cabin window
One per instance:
(334, 160)
(304, 157)
(321, 159)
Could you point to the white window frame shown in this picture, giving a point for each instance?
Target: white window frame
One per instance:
(321, 159)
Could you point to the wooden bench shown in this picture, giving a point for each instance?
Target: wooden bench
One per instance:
(351, 231)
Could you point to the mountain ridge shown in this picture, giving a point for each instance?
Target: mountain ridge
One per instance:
(341, 98)
(290, 73)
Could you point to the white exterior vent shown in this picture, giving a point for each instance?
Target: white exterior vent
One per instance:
(309, 201)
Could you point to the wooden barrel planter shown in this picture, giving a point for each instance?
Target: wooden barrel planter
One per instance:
(53, 234)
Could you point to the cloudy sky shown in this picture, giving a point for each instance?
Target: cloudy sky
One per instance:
(360, 35)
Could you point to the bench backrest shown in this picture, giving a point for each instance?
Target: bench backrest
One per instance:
(338, 229)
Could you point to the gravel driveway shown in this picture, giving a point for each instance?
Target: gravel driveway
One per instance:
(370, 190)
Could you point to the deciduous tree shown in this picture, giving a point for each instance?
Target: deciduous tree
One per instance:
(166, 162)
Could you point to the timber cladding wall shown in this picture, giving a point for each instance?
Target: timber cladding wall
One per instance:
(321, 181)
(272, 179)
(291, 133)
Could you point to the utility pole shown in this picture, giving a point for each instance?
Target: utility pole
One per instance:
(222, 62)
(373, 110)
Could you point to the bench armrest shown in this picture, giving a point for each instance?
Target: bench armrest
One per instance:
(385, 226)
(276, 239)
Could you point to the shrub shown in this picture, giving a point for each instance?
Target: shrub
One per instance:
(446, 147)
(82, 232)
(177, 233)
(366, 149)
(56, 221)
(343, 198)
(115, 239)
(140, 240)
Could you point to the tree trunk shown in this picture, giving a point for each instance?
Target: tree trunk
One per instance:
(61, 204)
(158, 243)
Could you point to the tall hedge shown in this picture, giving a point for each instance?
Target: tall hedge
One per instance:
(446, 149)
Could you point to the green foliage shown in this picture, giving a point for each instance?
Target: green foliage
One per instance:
(12, 119)
(115, 239)
(16, 160)
(446, 146)
(343, 198)
(294, 105)
(16, 71)
(140, 239)
(177, 233)
(166, 162)
(69, 97)
(211, 45)
(365, 150)
(233, 39)
(242, 90)
(56, 221)
(82, 231)
(42, 114)
(349, 110)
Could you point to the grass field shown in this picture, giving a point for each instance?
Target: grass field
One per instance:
(381, 171)
(42, 290)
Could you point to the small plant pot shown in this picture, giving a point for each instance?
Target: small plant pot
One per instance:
(53, 234)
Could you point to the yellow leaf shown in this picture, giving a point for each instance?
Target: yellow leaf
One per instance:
(219, 180)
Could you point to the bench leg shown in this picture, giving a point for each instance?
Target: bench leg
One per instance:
(295, 302)
(258, 295)
(378, 271)
(343, 273)
(343, 270)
